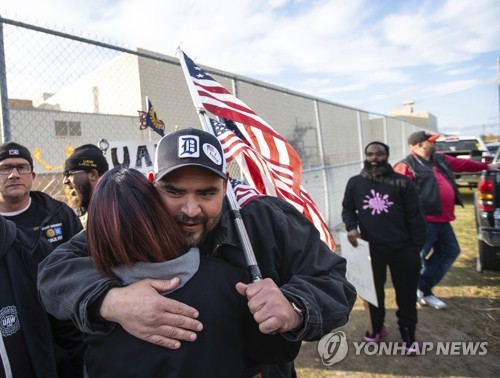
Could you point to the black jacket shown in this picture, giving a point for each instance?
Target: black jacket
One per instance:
(208, 285)
(54, 221)
(426, 182)
(387, 211)
(48, 345)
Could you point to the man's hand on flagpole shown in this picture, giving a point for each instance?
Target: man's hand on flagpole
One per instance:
(147, 315)
(270, 308)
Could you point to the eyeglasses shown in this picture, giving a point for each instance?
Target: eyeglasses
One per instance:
(21, 169)
(377, 154)
(70, 174)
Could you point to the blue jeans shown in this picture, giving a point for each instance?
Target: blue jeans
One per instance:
(442, 241)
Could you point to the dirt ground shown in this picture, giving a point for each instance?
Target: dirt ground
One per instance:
(473, 314)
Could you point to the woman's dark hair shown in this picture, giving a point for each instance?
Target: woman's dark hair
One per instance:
(128, 222)
(385, 146)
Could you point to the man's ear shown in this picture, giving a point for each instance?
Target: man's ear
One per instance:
(151, 177)
(94, 175)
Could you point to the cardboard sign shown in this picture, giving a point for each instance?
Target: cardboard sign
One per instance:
(359, 268)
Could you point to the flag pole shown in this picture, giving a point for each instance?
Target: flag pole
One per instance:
(251, 261)
(147, 109)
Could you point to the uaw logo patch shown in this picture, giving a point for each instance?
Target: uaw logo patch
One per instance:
(13, 152)
(9, 321)
(213, 153)
(188, 146)
(53, 232)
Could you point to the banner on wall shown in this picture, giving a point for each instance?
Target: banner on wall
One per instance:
(137, 155)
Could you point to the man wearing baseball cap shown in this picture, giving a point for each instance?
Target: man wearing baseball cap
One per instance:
(304, 293)
(82, 170)
(433, 175)
(36, 223)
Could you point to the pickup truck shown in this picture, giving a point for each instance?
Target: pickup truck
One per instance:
(465, 147)
(487, 214)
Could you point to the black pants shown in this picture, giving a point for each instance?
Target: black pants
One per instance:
(404, 264)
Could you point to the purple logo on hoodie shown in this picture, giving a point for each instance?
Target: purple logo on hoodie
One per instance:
(378, 203)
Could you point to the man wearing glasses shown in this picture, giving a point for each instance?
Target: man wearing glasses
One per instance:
(41, 224)
(82, 170)
(34, 212)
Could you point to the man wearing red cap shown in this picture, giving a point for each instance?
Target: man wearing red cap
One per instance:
(433, 175)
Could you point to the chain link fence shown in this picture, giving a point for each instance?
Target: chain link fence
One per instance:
(60, 91)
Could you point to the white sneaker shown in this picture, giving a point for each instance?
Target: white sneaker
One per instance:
(432, 301)
(420, 295)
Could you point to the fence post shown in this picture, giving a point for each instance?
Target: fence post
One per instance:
(4, 97)
(321, 151)
(360, 138)
(386, 137)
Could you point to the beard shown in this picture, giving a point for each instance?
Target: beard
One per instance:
(83, 194)
(375, 171)
(193, 239)
(203, 236)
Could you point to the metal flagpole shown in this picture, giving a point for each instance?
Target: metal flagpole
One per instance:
(253, 268)
(147, 110)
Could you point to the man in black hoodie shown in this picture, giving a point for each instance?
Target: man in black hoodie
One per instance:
(385, 207)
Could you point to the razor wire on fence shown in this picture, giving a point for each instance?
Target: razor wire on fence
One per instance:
(60, 91)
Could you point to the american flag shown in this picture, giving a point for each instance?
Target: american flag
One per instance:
(244, 193)
(150, 119)
(265, 179)
(269, 162)
(251, 162)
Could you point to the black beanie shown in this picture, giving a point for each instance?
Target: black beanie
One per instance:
(86, 158)
(15, 150)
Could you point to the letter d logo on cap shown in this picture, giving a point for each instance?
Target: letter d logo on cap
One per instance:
(189, 146)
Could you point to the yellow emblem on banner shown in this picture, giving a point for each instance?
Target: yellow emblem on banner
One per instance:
(37, 154)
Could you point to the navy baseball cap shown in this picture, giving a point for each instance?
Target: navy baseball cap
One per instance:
(189, 147)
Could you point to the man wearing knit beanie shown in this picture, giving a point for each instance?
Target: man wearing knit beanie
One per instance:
(82, 170)
(34, 211)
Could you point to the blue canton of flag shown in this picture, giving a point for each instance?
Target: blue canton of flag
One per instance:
(150, 119)
(244, 193)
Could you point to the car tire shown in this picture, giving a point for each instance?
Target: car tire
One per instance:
(487, 257)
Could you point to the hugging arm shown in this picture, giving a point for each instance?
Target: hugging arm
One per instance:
(70, 287)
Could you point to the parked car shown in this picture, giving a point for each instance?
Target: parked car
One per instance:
(493, 147)
(487, 214)
(465, 147)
